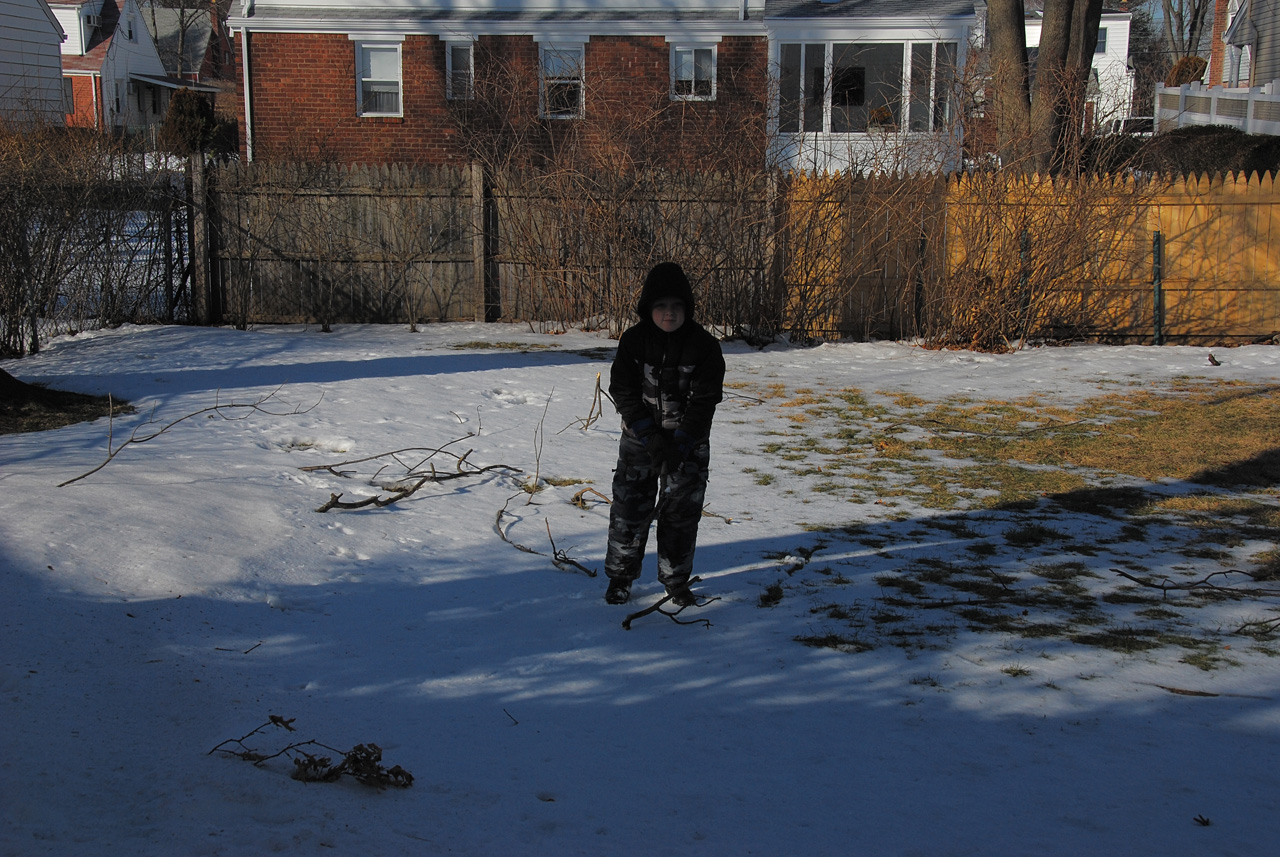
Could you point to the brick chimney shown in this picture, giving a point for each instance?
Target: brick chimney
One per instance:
(1217, 52)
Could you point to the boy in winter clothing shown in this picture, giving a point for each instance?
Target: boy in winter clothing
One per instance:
(666, 381)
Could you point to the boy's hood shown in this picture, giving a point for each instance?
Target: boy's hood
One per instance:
(666, 280)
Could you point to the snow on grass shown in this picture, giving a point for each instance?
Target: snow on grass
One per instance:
(894, 664)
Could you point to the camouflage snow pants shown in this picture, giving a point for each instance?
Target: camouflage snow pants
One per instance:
(635, 491)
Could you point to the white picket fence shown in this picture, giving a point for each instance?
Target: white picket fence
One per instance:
(1252, 109)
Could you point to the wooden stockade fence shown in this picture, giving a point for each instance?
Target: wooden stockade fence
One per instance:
(977, 260)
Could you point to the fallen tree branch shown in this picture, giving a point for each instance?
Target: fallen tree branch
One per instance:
(673, 615)
(1204, 584)
(362, 762)
(216, 409)
(560, 559)
(497, 527)
(336, 502)
(395, 453)
(1259, 628)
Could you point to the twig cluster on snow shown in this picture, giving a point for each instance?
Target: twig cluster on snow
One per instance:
(362, 762)
(414, 477)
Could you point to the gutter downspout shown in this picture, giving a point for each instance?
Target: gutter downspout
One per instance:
(248, 111)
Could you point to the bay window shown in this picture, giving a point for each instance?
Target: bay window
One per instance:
(857, 87)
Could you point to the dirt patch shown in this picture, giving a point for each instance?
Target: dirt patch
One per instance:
(29, 407)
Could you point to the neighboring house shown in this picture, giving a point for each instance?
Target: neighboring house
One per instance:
(1244, 74)
(190, 39)
(116, 79)
(30, 62)
(385, 82)
(1252, 32)
(826, 84)
(1110, 88)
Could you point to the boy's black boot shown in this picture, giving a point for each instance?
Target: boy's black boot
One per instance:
(619, 591)
(681, 595)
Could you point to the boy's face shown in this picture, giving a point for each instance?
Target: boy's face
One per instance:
(668, 314)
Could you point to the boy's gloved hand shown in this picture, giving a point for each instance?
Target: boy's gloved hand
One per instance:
(662, 450)
(684, 444)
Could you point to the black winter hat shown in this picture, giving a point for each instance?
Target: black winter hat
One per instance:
(666, 280)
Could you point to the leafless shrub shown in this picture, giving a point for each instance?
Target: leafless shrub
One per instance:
(89, 236)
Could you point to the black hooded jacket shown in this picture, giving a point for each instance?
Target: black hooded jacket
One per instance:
(673, 379)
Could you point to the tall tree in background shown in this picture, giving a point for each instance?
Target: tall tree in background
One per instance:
(1148, 57)
(1184, 26)
(1038, 124)
(1010, 83)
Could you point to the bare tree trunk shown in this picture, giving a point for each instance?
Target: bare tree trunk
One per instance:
(1007, 37)
(1050, 82)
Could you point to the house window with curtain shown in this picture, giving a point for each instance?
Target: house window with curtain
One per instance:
(562, 82)
(460, 70)
(858, 87)
(379, 81)
(693, 73)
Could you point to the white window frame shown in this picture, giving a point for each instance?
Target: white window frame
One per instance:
(451, 92)
(691, 51)
(546, 49)
(363, 44)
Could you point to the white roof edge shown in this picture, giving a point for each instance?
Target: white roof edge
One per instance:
(62, 34)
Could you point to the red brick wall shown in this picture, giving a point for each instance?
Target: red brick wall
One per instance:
(83, 87)
(303, 101)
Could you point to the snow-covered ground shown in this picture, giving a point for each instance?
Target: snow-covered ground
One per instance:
(189, 590)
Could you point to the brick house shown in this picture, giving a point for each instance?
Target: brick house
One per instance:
(825, 83)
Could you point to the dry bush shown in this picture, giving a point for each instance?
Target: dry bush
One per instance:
(583, 208)
(89, 236)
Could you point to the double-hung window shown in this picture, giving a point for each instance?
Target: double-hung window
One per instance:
(858, 87)
(460, 70)
(562, 90)
(693, 73)
(378, 78)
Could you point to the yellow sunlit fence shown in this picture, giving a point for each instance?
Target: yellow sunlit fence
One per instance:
(988, 260)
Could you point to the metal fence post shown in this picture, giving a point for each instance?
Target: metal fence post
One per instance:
(1157, 284)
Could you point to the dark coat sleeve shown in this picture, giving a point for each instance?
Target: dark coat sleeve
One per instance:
(706, 386)
(626, 378)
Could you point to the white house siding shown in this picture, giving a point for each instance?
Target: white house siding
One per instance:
(71, 15)
(1264, 16)
(30, 63)
(127, 59)
(1114, 95)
